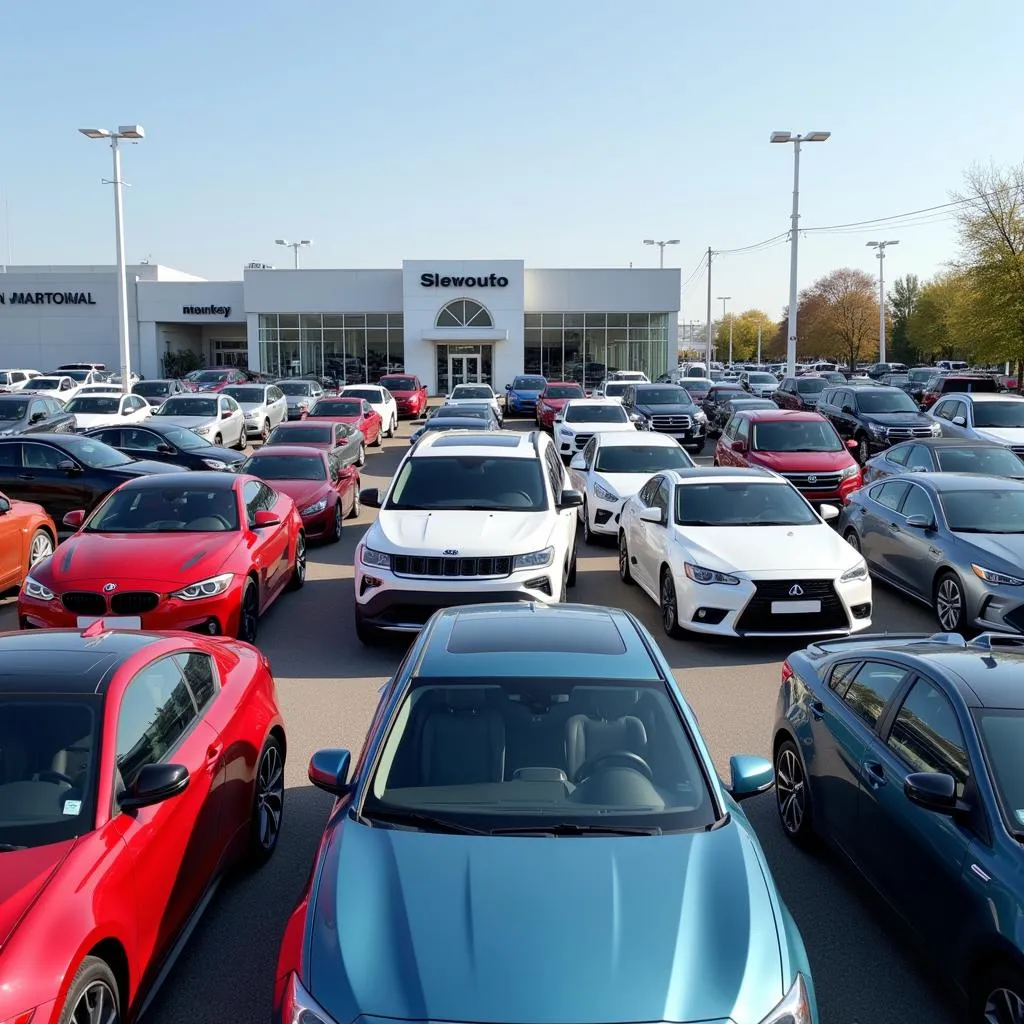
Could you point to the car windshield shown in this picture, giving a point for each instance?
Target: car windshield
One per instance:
(246, 395)
(46, 384)
(210, 376)
(285, 467)
(169, 509)
(452, 423)
(920, 376)
(372, 395)
(742, 504)
(762, 378)
(746, 404)
(528, 773)
(810, 385)
(994, 461)
(999, 414)
(301, 434)
(596, 414)
(564, 391)
(462, 412)
(1002, 737)
(984, 511)
(77, 375)
(295, 388)
(796, 436)
(49, 753)
(616, 389)
(641, 458)
(471, 391)
(92, 453)
(663, 396)
(187, 440)
(153, 388)
(399, 383)
(203, 408)
(885, 400)
(833, 376)
(467, 482)
(723, 394)
(528, 384)
(353, 407)
(700, 386)
(94, 404)
(12, 409)
(897, 379)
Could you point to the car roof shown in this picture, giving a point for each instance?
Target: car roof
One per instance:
(940, 482)
(284, 450)
(525, 640)
(326, 425)
(566, 384)
(212, 480)
(776, 414)
(980, 396)
(724, 475)
(451, 443)
(947, 442)
(624, 439)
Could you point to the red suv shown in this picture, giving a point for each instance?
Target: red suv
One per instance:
(801, 446)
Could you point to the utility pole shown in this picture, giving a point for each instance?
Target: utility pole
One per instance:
(880, 247)
(758, 344)
(707, 335)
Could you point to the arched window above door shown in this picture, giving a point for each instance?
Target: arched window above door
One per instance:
(463, 313)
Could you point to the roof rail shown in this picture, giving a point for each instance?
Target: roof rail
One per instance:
(988, 641)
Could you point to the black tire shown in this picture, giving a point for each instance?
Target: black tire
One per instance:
(715, 463)
(249, 618)
(669, 606)
(218, 440)
(265, 432)
(267, 804)
(297, 580)
(40, 547)
(94, 993)
(337, 526)
(624, 574)
(361, 457)
(588, 536)
(369, 635)
(949, 603)
(863, 449)
(792, 797)
(570, 576)
(852, 537)
(998, 997)
(379, 439)
(357, 505)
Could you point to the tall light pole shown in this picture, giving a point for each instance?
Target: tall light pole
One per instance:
(724, 299)
(661, 246)
(134, 133)
(294, 246)
(759, 343)
(794, 234)
(880, 246)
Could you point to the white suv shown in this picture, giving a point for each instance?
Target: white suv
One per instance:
(470, 516)
(581, 418)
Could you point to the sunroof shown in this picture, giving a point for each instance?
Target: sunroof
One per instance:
(535, 634)
(489, 440)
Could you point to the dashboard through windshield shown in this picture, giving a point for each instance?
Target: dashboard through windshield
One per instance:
(469, 482)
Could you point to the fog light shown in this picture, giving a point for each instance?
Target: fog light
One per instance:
(213, 627)
(369, 583)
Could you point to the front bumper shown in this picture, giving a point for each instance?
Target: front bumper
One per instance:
(604, 515)
(521, 405)
(410, 406)
(995, 606)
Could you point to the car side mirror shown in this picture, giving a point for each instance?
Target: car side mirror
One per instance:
(959, 421)
(579, 461)
(69, 467)
(920, 522)
(559, 419)
(849, 410)
(749, 776)
(852, 445)
(37, 417)
(829, 513)
(651, 515)
(508, 387)
(74, 519)
(264, 518)
(328, 770)
(739, 446)
(370, 497)
(165, 449)
(5, 506)
(154, 784)
(934, 791)
(569, 499)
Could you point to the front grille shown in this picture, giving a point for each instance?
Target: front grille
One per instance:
(758, 617)
(134, 602)
(1017, 449)
(671, 423)
(904, 433)
(582, 439)
(419, 565)
(814, 481)
(82, 602)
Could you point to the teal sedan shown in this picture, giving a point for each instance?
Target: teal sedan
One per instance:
(534, 833)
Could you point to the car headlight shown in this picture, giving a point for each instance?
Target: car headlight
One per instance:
(215, 464)
(202, 431)
(534, 559)
(252, 415)
(936, 429)
(700, 416)
(877, 429)
(858, 572)
(852, 470)
(205, 588)
(378, 559)
(33, 588)
(311, 510)
(699, 574)
(299, 1007)
(795, 1007)
(991, 576)
(604, 494)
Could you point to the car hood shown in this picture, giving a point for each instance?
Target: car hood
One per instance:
(524, 393)
(468, 533)
(25, 874)
(98, 419)
(787, 550)
(898, 419)
(253, 406)
(803, 462)
(557, 403)
(164, 562)
(419, 926)
(303, 492)
(1007, 546)
(675, 409)
(625, 485)
(1001, 435)
(146, 467)
(580, 427)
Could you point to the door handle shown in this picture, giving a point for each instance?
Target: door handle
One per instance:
(817, 710)
(874, 774)
(213, 756)
(25, 476)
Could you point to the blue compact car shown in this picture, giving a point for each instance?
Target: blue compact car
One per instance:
(521, 395)
(534, 833)
(907, 754)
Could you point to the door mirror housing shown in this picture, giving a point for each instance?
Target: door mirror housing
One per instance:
(559, 418)
(226, 414)
(37, 417)
(328, 770)
(69, 467)
(934, 791)
(749, 776)
(920, 522)
(651, 515)
(370, 497)
(739, 446)
(569, 499)
(849, 410)
(829, 513)
(264, 518)
(74, 519)
(5, 506)
(579, 461)
(958, 421)
(154, 784)
(165, 449)
(127, 412)
(852, 445)
(508, 387)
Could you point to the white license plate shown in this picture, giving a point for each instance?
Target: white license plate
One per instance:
(112, 621)
(795, 607)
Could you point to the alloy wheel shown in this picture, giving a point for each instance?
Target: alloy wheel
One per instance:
(357, 505)
(669, 610)
(299, 573)
(250, 617)
(790, 792)
(96, 1005)
(42, 547)
(265, 432)
(269, 797)
(853, 539)
(624, 574)
(588, 537)
(361, 457)
(949, 604)
(863, 454)
(1004, 1006)
(218, 440)
(337, 521)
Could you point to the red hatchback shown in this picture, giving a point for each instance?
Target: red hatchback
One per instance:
(801, 446)
(324, 489)
(206, 552)
(409, 392)
(135, 769)
(552, 398)
(355, 411)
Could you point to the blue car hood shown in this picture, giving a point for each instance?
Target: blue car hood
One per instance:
(524, 393)
(516, 930)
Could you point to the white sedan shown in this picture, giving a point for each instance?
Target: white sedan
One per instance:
(580, 418)
(263, 405)
(613, 467)
(58, 386)
(100, 389)
(218, 418)
(740, 552)
(107, 410)
(463, 393)
(381, 402)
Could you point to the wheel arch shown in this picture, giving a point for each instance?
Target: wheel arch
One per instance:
(991, 953)
(277, 733)
(113, 954)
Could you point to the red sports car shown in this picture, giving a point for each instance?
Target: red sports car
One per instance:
(27, 536)
(324, 489)
(136, 768)
(356, 411)
(552, 398)
(206, 552)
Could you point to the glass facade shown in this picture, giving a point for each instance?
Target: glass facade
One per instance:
(463, 364)
(586, 346)
(357, 347)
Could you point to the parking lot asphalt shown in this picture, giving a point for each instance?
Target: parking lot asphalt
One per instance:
(865, 968)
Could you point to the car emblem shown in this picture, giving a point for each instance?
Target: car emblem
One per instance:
(796, 590)
(109, 588)
(812, 479)
(450, 551)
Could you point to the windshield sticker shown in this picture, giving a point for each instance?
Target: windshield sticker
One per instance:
(72, 807)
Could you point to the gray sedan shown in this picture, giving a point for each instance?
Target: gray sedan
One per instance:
(24, 413)
(944, 455)
(951, 540)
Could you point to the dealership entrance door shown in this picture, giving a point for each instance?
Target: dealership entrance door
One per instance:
(464, 370)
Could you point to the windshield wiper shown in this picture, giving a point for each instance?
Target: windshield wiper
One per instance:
(424, 822)
(11, 848)
(572, 828)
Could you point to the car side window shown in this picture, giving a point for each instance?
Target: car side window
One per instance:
(920, 458)
(871, 688)
(661, 500)
(927, 737)
(942, 410)
(42, 456)
(589, 452)
(841, 675)
(111, 436)
(729, 433)
(200, 675)
(556, 472)
(743, 429)
(960, 409)
(156, 711)
(890, 494)
(899, 454)
(334, 466)
(142, 440)
(648, 491)
(917, 503)
(10, 455)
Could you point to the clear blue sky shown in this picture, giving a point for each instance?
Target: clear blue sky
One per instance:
(559, 131)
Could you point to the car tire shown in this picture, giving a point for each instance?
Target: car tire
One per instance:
(792, 796)
(378, 441)
(570, 576)
(361, 457)
(863, 449)
(852, 537)
(267, 805)
(337, 526)
(624, 574)
(357, 505)
(669, 605)
(94, 994)
(369, 636)
(218, 440)
(998, 996)
(588, 535)
(249, 614)
(265, 432)
(40, 547)
(297, 580)
(696, 449)
(949, 603)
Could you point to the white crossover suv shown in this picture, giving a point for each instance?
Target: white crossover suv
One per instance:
(470, 516)
(580, 418)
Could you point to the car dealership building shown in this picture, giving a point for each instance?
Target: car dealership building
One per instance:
(445, 321)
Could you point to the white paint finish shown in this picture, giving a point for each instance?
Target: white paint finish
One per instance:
(163, 301)
(323, 291)
(602, 291)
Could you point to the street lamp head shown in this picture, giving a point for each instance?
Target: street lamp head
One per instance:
(131, 131)
(280, 241)
(306, 241)
(892, 241)
(649, 241)
(724, 298)
(781, 137)
(672, 241)
(95, 133)
(872, 244)
(817, 136)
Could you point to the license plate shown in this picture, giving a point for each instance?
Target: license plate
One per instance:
(795, 607)
(112, 621)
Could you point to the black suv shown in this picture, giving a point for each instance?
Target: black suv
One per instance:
(668, 409)
(875, 417)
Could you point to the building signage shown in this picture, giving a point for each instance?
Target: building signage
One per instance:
(437, 281)
(47, 299)
(224, 311)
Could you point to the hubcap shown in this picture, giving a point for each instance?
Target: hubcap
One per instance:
(949, 604)
(789, 791)
(300, 558)
(42, 547)
(269, 797)
(96, 1005)
(1004, 1007)
(668, 602)
(853, 540)
(623, 558)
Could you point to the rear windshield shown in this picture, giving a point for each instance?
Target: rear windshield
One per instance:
(399, 383)
(285, 467)
(353, 407)
(811, 385)
(984, 385)
(564, 391)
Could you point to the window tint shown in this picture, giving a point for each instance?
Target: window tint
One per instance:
(10, 455)
(111, 437)
(871, 689)
(661, 500)
(41, 456)
(841, 676)
(648, 491)
(944, 410)
(156, 711)
(197, 668)
(917, 503)
(141, 440)
(920, 458)
(743, 430)
(588, 452)
(890, 494)
(927, 736)
(900, 453)
(556, 472)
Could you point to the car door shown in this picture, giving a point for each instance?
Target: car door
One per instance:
(232, 421)
(637, 538)
(278, 406)
(942, 412)
(138, 409)
(58, 490)
(916, 557)
(580, 479)
(880, 507)
(13, 545)
(654, 536)
(556, 474)
(371, 422)
(269, 544)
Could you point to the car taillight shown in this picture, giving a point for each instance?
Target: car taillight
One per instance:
(787, 671)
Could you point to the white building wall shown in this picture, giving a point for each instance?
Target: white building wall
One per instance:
(323, 291)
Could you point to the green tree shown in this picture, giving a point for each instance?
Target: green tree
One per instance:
(902, 300)
(942, 316)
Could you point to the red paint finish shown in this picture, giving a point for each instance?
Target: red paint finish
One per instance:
(410, 393)
(551, 400)
(17, 528)
(354, 411)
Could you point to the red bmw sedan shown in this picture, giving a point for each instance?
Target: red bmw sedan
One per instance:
(205, 552)
(135, 769)
(355, 411)
(552, 398)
